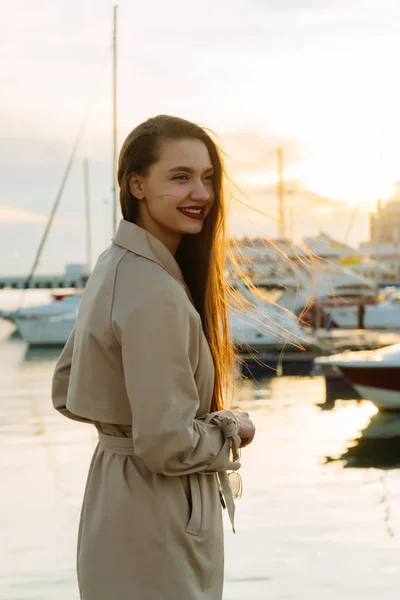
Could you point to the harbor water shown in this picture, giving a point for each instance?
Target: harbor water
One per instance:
(320, 514)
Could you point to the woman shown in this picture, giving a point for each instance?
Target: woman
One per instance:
(146, 365)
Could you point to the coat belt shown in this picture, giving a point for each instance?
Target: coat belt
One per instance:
(124, 446)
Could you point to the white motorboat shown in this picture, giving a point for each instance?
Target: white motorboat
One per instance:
(375, 374)
(55, 308)
(271, 328)
(332, 285)
(46, 331)
(261, 325)
(384, 315)
(303, 272)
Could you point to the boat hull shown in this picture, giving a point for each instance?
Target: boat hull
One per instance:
(383, 399)
(45, 332)
(383, 316)
(379, 384)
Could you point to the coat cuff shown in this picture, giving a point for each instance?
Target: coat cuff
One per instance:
(226, 421)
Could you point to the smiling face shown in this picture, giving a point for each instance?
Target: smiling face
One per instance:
(177, 193)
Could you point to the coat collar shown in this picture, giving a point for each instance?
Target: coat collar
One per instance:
(136, 239)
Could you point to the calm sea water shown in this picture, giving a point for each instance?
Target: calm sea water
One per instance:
(320, 513)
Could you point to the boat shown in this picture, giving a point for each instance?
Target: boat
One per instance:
(263, 335)
(375, 374)
(338, 292)
(57, 307)
(269, 338)
(51, 325)
(259, 324)
(297, 278)
(268, 329)
(383, 315)
(46, 331)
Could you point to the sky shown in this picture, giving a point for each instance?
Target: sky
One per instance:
(317, 78)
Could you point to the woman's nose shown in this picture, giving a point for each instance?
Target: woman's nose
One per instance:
(200, 191)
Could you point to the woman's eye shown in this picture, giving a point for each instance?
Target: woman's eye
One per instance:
(183, 177)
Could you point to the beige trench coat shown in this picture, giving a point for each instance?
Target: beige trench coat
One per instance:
(138, 367)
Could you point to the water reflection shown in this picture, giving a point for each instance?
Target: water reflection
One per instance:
(331, 401)
(42, 354)
(299, 514)
(378, 445)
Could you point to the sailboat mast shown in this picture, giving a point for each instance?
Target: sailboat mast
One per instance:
(281, 196)
(88, 227)
(114, 183)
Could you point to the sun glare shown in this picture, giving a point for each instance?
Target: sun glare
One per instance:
(340, 176)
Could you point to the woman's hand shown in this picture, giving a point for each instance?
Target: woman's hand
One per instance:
(246, 429)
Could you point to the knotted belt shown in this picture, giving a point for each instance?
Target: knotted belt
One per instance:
(229, 429)
(124, 446)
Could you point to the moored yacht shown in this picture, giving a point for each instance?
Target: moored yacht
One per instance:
(45, 330)
(382, 315)
(61, 305)
(375, 374)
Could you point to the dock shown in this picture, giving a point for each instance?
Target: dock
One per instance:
(74, 276)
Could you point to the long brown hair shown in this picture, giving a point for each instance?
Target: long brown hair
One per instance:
(201, 257)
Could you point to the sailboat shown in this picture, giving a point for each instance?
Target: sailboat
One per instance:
(56, 308)
(47, 331)
(52, 324)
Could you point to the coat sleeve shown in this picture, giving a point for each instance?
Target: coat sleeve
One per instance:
(158, 340)
(60, 381)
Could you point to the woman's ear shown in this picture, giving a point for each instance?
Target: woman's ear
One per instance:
(136, 187)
